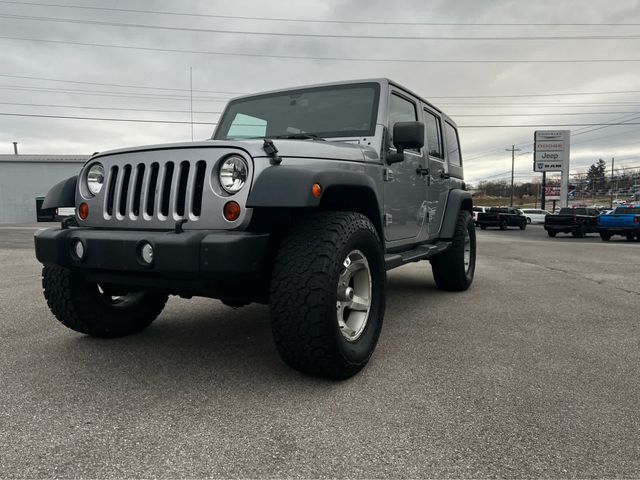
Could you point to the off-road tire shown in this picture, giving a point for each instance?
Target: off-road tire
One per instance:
(551, 233)
(605, 236)
(449, 270)
(303, 298)
(79, 305)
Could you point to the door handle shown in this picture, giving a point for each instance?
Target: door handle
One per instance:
(443, 174)
(422, 171)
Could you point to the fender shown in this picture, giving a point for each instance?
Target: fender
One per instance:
(279, 186)
(62, 194)
(456, 201)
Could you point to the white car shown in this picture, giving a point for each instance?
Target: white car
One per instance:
(534, 215)
(476, 211)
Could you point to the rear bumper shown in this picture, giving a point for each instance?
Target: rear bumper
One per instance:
(562, 228)
(620, 230)
(200, 262)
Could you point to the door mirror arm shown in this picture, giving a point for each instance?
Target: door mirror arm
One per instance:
(396, 157)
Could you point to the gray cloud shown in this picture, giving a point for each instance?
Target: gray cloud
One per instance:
(244, 74)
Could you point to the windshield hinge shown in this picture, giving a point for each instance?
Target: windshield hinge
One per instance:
(272, 151)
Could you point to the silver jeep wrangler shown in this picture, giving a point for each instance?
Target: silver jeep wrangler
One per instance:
(302, 199)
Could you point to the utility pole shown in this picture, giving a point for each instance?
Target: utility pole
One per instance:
(513, 151)
(613, 162)
(191, 98)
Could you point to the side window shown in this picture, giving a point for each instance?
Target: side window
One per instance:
(246, 126)
(453, 145)
(401, 110)
(434, 136)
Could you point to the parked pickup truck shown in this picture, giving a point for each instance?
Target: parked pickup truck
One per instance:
(576, 221)
(502, 217)
(623, 221)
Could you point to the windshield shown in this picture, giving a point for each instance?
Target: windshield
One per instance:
(325, 112)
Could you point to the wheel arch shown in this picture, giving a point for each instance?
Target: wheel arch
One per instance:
(457, 201)
(354, 198)
(62, 194)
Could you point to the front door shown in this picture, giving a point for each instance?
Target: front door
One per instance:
(404, 193)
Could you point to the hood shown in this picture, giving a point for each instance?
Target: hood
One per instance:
(286, 148)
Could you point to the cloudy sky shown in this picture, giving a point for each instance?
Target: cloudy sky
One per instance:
(110, 60)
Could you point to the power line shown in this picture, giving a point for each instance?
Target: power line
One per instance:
(531, 114)
(114, 84)
(104, 93)
(528, 143)
(219, 112)
(539, 105)
(148, 87)
(301, 57)
(544, 125)
(135, 120)
(302, 20)
(153, 110)
(520, 95)
(318, 35)
(210, 123)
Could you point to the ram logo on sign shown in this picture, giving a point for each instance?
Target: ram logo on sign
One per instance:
(551, 150)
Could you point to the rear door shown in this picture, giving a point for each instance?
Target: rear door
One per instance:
(437, 181)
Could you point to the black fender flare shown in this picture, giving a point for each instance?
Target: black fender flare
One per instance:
(291, 186)
(456, 201)
(62, 194)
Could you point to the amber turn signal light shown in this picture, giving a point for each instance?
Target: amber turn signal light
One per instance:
(231, 211)
(83, 211)
(316, 190)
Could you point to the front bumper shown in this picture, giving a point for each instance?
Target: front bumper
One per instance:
(197, 261)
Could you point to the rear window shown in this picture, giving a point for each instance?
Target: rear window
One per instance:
(572, 211)
(627, 211)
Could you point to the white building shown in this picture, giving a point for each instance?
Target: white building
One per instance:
(25, 177)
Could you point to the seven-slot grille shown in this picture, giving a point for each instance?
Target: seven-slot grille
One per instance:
(159, 190)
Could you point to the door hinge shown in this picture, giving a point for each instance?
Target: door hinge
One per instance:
(387, 218)
(387, 174)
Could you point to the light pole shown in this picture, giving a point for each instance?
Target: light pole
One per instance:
(513, 151)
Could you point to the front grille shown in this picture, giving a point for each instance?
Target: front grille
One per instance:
(166, 191)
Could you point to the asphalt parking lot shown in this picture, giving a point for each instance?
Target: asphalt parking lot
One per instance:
(531, 373)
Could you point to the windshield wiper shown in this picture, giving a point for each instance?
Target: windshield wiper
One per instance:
(299, 136)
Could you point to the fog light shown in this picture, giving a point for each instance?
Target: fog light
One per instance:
(78, 249)
(146, 252)
(231, 211)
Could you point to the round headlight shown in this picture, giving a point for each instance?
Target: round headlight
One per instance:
(95, 178)
(233, 174)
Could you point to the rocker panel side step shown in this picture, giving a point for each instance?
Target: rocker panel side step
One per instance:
(422, 252)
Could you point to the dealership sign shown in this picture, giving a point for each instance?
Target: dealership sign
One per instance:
(551, 151)
(552, 192)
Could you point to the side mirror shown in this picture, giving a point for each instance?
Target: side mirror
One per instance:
(406, 135)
